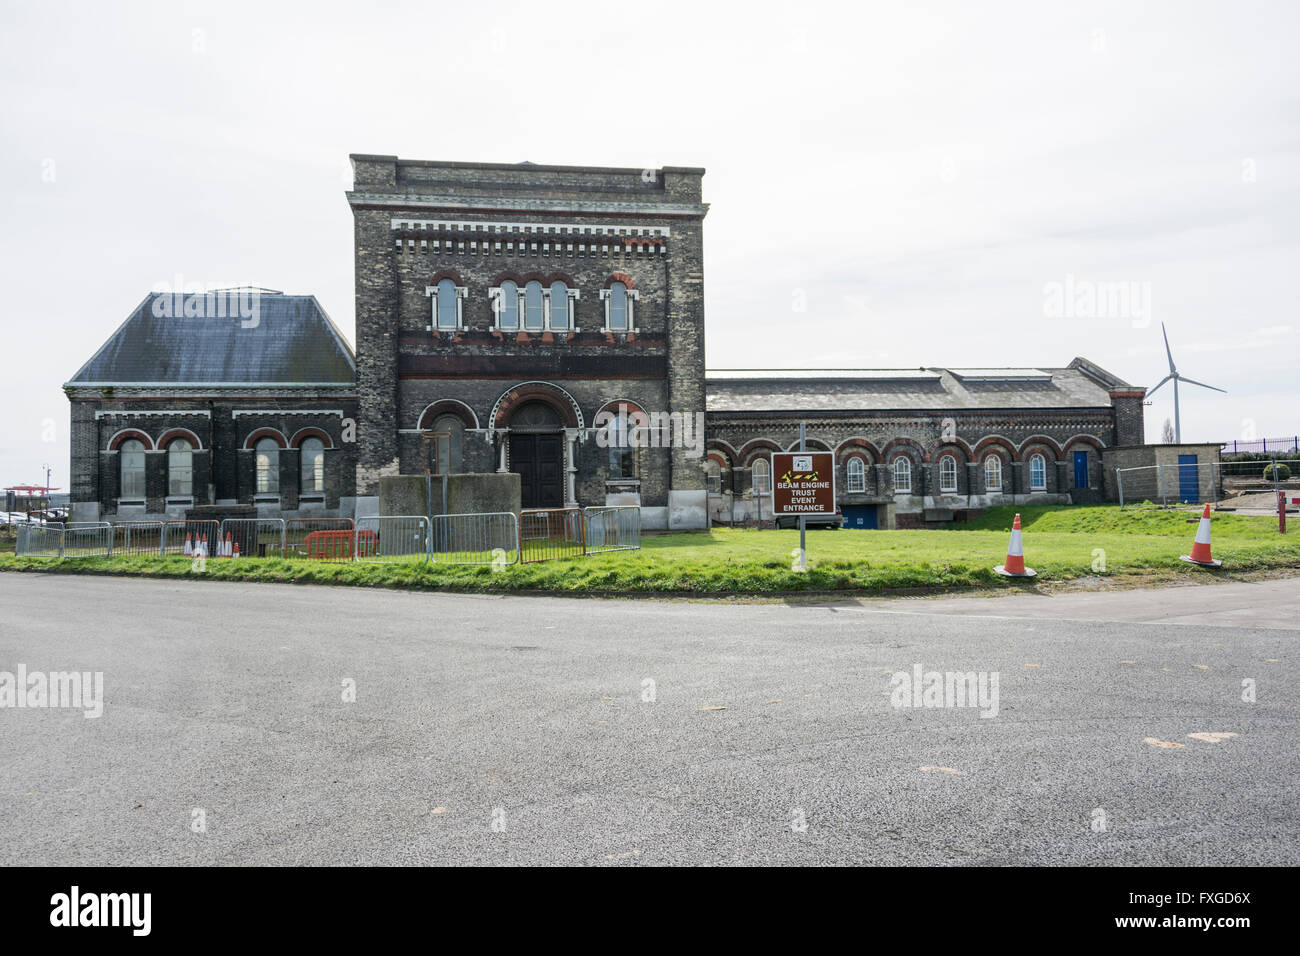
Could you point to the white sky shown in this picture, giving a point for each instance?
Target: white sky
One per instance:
(914, 174)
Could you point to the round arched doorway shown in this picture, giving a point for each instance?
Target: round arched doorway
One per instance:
(537, 454)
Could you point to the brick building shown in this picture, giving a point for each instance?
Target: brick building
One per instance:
(246, 398)
(526, 315)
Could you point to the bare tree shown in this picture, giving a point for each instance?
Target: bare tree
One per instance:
(1167, 433)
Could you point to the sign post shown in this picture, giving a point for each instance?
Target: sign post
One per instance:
(803, 484)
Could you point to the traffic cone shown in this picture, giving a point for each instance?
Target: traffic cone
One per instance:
(189, 547)
(1015, 566)
(1201, 546)
(226, 548)
(235, 553)
(203, 546)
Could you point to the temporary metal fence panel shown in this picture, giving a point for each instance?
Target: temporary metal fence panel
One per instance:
(177, 533)
(546, 534)
(487, 538)
(392, 538)
(298, 533)
(96, 542)
(612, 529)
(39, 541)
(139, 537)
(256, 538)
(338, 545)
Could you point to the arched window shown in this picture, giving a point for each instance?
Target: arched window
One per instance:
(947, 473)
(1037, 473)
(857, 474)
(993, 473)
(312, 455)
(131, 455)
(509, 306)
(451, 444)
(447, 309)
(762, 470)
(533, 307)
(267, 455)
(713, 477)
(903, 474)
(559, 306)
(180, 467)
(622, 462)
(617, 307)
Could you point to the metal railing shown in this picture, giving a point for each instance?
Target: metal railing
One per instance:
(486, 538)
(255, 537)
(176, 534)
(298, 532)
(39, 541)
(394, 537)
(612, 529)
(96, 542)
(139, 537)
(1285, 447)
(1221, 483)
(549, 533)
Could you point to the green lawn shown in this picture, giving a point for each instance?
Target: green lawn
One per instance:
(1060, 543)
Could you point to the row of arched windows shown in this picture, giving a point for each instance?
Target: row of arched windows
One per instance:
(534, 307)
(180, 467)
(855, 470)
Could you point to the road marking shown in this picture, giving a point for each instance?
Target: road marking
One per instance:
(1204, 667)
(1128, 662)
(929, 769)
(437, 810)
(622, 856)
(1211, 738)
(1162, 743)
(713, 707)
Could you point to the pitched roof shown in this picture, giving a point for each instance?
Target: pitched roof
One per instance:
(1081, 385)
(233, 338)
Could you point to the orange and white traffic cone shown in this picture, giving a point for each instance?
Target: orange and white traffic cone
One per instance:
(203, 547)
(1015, 566)
(226, 548)
(1201, 546)
(235, 552)
(189, 547)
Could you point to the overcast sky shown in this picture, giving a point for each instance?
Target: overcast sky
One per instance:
(891, 184)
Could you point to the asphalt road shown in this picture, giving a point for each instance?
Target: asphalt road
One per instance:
(518, 730)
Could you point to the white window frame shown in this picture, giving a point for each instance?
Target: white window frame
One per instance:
(860, 485)
(632, 296)
(1040, 485)
(496, 297)
(988, 485)
(572, 296)
(431, 293)
(903, 487)
(946, 485)
(766, 487)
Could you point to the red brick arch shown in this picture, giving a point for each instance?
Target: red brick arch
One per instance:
(724, 449)
(857, 446)
(622, 277)
(126, 434)
(310, 431)
(751, 449)
(256, 436)
(451, 274)
(995, 441)
(910, 446)
(1041, 440)
(447, 406)
(172, 434)
(544, 392)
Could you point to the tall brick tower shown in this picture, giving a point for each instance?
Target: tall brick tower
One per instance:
(512, 306)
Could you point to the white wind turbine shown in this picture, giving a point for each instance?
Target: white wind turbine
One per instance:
(1173, 374)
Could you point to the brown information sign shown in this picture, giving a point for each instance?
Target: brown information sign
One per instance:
(803, 483)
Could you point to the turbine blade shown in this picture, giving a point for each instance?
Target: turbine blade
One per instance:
(1152, 390)
(1167, 350)
(1192, 381)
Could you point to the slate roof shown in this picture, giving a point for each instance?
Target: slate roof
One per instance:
(288, 340)
(1080, 385)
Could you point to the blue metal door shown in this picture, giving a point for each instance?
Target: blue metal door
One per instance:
(859, 517)
(1081, 469)
(1189, 491)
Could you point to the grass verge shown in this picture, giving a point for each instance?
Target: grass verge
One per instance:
(1105, 544)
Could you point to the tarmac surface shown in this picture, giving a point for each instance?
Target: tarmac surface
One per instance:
(526, 730)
